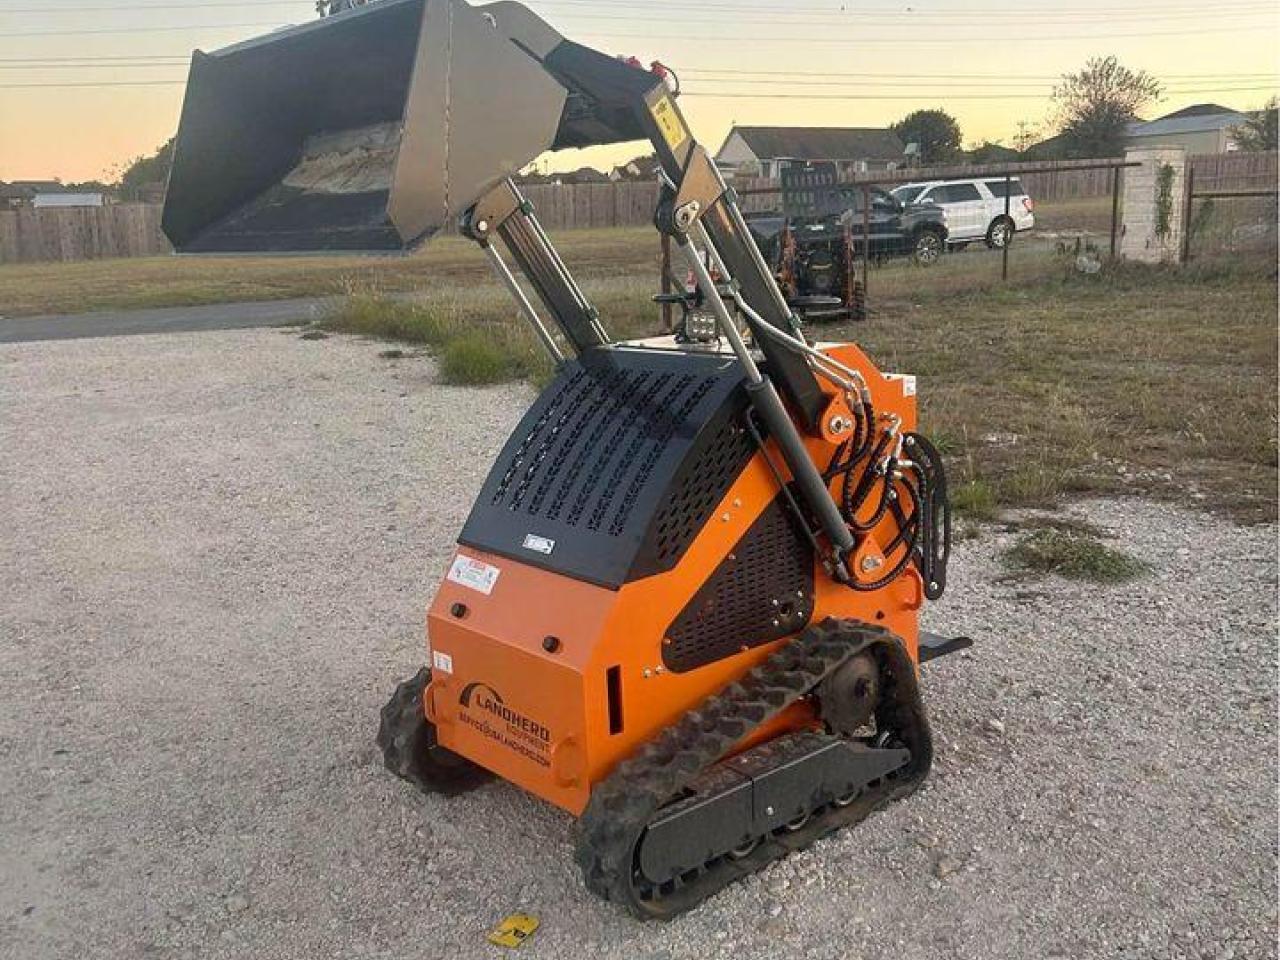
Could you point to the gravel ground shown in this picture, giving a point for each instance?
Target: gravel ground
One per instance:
(215, 554)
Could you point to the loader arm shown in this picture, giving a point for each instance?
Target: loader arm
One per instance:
(373, 129)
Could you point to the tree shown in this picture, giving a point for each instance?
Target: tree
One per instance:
(1027, 136)
(146, 171)
(991, 151)
(936, 131)
(1259, 132)
(1095, 106)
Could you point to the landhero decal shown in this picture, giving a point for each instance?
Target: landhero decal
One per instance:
(486, 712)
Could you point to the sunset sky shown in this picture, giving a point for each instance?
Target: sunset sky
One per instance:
(86, 85)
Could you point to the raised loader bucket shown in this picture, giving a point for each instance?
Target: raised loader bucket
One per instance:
(367, 131)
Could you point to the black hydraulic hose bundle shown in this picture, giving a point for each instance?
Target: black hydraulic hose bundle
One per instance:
(912, 475)
(935, 545)
(924, 526)
(856, 448)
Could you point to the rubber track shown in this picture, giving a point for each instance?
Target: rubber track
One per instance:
(622, 805)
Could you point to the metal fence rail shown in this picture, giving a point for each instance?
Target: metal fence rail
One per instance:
(1241, 227)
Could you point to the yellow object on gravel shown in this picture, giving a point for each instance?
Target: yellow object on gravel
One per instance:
(514, 930)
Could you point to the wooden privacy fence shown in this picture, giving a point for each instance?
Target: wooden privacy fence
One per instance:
(1046, 181)
(582, 205)
(133, 230)
(1235, 171)
(81, 233)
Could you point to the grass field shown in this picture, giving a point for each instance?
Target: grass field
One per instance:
(448, 263)
(43, 288)
(1157, 380)
(1137, 379)
(1160, 380)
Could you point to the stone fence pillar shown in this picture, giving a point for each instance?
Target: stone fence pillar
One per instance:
(1154, 204)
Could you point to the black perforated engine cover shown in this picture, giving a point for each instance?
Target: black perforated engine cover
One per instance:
(761, 592)
(617, 466)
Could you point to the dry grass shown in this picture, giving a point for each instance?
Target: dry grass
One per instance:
(1073, 554)
(40, 288)
(444, 266)
(1152, 380)
(1083, 213)
(1137, 379)
(1159, 380)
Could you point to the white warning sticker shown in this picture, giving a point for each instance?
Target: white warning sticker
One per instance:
(539, 544)
(908, 382)
(474, 574)
(441, 662)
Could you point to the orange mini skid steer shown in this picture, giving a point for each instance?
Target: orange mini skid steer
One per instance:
(685, 605)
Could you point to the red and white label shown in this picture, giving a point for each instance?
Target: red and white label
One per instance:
(474, 574)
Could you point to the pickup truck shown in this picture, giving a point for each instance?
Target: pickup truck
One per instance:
(897, 229)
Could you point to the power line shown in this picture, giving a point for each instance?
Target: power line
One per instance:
(1012, 10)
(908, 41)
(911, 84)
(696, 71)
(99, 83)
(897, 18)
(92, 66)
(923, 88)
(950, 93)
(617, 38)
(104, 60)
(181, 59)
(915, 13)
(166, 29)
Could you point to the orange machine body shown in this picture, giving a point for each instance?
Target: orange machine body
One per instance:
(550, 681)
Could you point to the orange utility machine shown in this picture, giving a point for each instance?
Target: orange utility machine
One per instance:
(685, 605)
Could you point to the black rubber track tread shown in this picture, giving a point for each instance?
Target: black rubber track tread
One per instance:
(623, 804)
(410, 749)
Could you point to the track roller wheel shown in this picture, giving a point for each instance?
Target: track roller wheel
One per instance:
(411, 751)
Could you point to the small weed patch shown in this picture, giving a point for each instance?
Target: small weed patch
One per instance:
(474, 340)
(472, 358)
(375, 315)
(975, 500)
(1072, 526)
(1073, 554)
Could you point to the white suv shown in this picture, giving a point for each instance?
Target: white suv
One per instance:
(974, 209)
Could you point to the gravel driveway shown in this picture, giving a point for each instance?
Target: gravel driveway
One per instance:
(215, 554)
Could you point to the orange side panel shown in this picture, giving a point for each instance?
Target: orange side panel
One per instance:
(507, 702)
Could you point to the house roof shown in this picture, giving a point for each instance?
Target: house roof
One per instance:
(640, 168)
(41, 186)
(1201, 118)
(584, 175)
(12, 191)
(994, 153)
(821, 143)
(1197, 110)
(1051, 148)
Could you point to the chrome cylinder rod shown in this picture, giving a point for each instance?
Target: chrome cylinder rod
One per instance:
(526, 307)
(767, 403)
(728, 198)
(712, 294)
